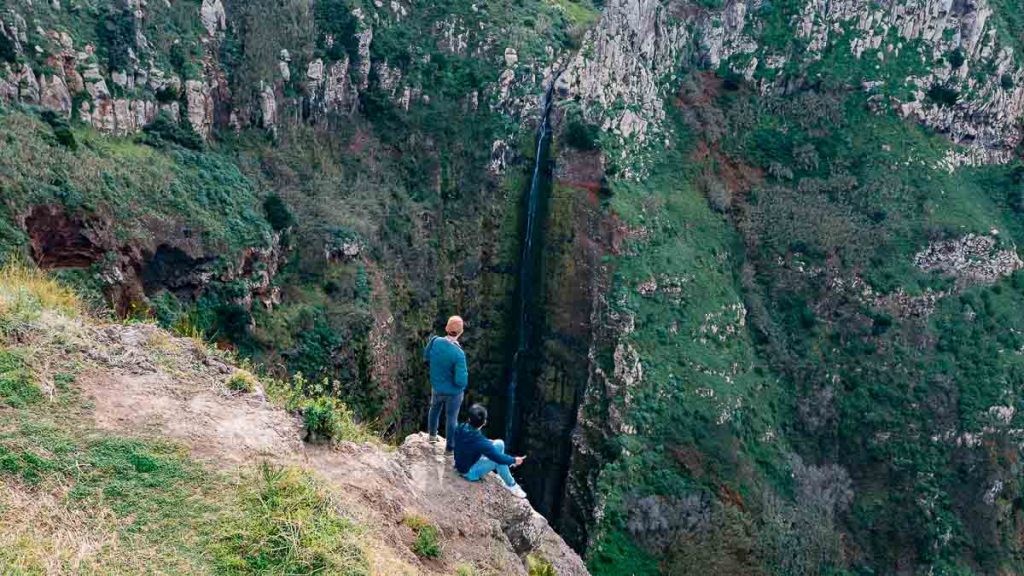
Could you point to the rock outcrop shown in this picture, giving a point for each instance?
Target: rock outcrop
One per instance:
(625, 68)
(972, 259)
(143, 381)
(960, 37)
(171, 260)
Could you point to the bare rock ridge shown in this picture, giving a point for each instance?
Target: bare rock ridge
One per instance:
(137, 391)
(626, 66)
(622, 74)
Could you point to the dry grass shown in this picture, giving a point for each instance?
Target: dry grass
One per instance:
(39, 533)
(243, 381)
(24, 287)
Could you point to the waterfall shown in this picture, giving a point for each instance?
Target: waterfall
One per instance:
(527, 260)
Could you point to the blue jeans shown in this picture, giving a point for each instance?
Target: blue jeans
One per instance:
(451, 404)
(485, 466)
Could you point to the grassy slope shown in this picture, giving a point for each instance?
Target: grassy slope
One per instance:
(860, 195)
(123, 182)
(685, 245)
(77, 500)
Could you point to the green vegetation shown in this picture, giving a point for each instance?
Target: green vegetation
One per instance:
(242, 381)
(289, 525)
(752, 350)
(127, 183)
(428, 542)
(163, 130)
(328, 419)
(17, 389)
(537, 566)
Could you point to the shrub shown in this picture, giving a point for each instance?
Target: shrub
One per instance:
(537, 566)
(7, 51)
(328, 419)
(581, 135)
(117, 33)
(61, 129)
(943, 95)
(242, 381)
(163, 129)
(427, 544)
(956, 58)
(1006, 81)
(165, 308)
(277, 212)
(290, 525)
(725, 546)
(167, 94)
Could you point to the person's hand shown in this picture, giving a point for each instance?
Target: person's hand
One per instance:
(519, 460)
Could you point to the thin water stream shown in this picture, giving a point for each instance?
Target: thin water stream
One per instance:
(528, 263)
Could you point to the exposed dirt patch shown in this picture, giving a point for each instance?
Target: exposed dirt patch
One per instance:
(580, 169)
(229, 429)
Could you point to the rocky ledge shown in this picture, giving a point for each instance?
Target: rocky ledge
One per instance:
(142, 381)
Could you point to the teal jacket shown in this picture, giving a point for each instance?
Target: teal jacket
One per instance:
(448, 372)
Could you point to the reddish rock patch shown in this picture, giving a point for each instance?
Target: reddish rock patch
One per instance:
(62, 241)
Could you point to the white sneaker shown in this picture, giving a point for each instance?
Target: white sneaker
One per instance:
(516, 491)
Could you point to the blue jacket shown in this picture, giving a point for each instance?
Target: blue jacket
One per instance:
(471, 444)
(448, 373)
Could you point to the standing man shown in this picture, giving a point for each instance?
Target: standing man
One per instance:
(448, 380)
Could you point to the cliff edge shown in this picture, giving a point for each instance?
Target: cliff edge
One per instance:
(65, 374)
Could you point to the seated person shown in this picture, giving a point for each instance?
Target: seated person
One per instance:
(476, 456)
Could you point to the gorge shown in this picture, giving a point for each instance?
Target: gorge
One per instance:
(741, 277)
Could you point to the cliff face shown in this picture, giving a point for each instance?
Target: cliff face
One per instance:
(724, 339)
(776, 313)
(898, 53)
